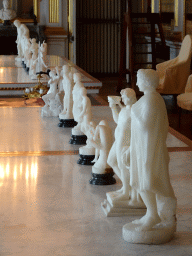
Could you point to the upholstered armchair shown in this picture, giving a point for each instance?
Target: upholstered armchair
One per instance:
(184, 100)
(174, 73)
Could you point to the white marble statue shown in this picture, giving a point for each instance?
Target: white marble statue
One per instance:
(77, 103)
(17, 23)
(27, 52)
(122, 141)
(6, 13)
(68, 98)
(149, 160)
(102, 141)
(42, 54)
(52, 101)
(25, 35)
(34, 48)
(34, 59)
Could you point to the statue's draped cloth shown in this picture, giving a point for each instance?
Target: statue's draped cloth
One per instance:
(149, 157)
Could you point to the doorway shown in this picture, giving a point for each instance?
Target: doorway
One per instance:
(98, 35)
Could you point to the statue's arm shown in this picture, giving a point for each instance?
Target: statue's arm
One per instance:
(115, 112)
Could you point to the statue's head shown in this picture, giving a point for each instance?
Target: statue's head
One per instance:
(33, 40)
(6, 4)
(52, 73)
(147, 78)
(128, 95)
(66, 69)
(17, 23)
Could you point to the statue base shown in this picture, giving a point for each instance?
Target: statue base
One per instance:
(102, 179)
(78, 139)
(116, 208)
(159, 234)
(86, 159)
(67, 123)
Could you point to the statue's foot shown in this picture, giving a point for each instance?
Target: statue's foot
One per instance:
(149, 224)
(146, 222)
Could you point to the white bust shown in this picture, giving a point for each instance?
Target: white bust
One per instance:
(6, 13)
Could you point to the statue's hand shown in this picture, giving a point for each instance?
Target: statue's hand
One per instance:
(112, 104)
(125, 156)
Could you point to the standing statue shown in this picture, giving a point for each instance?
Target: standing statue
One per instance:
(65, 71)
(42, 55)
(27, 52)
(102, 174)
(149, 160)
(122, 142)
(66, 116)
(6, 13)
(78, 137)
(17, 23)
(52, 101)
(34, 59)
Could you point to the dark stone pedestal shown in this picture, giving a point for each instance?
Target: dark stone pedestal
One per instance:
(86, 159)
(102, 179)
(7, 23)
(78, 139)
(67, 123)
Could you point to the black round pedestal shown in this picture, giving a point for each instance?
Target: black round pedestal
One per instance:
(7, 23)
(86, 159)
(102, 179)
(78, 139)
(67, 123)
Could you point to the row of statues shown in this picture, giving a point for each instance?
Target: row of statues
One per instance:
(138, 155)
(32, 54)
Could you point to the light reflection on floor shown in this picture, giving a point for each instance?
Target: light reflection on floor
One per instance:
(48, 207)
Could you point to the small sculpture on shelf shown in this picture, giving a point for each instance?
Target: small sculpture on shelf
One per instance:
(17, 23)
(87, 152)
(27, 53)
(66, 116)
(6, 13)
(85, 127)
(122, 202)
(34, 59)
(102, 174)
(52, 100)
(42, 54)
(77, 136)
(149, 160)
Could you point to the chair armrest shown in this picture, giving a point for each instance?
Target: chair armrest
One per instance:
(166, 64)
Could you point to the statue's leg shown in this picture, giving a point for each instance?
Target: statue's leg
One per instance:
(112, 160)
(151, 218)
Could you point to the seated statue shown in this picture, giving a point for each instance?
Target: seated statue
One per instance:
(6, 13)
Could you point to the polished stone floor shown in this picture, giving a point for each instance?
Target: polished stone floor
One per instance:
(48, 207)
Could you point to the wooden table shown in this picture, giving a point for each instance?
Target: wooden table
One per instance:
(14, 78)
